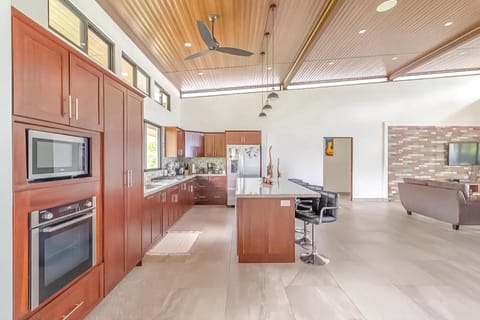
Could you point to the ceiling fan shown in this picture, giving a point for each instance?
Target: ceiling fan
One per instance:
(212, 43)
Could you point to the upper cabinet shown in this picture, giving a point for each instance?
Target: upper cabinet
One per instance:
(174, 142)
(194, 144)
(244, 137)
(215, 145)
(52, 84)
(86, 92)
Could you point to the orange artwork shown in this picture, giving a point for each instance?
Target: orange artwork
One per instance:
(329, 147)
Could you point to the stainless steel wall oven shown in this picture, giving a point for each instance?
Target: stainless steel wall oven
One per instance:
(62, 247)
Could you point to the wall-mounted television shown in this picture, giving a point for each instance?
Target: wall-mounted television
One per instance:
(463, 154)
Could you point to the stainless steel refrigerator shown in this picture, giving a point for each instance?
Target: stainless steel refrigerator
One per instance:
(242, 161)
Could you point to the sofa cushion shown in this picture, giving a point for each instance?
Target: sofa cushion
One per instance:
(451, 186)
(415, 181)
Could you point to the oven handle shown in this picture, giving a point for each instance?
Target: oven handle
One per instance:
(66, 224)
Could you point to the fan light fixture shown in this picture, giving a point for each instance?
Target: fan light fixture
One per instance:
(273, 95)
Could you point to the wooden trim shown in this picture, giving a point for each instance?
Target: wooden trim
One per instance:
(312, 39)
(435, 53)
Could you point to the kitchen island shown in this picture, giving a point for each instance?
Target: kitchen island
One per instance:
(266, 219)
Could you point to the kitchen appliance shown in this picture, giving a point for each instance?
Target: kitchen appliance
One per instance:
(242, 161)
(52, 155)
(193, 170)
(62, 247)
(211, 167)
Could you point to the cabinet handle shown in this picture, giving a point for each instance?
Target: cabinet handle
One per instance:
(70, 107)
(77, 306)
(130, 178)
(76, 109)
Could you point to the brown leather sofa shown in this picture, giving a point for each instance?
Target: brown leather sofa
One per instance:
(445, 201)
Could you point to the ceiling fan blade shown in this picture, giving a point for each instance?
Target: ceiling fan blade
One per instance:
(198, 54)
(206, 35)
(235, 51)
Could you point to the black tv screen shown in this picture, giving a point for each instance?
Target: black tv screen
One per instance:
(463, 154)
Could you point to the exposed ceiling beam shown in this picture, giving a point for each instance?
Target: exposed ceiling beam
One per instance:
(312, 39)
(435, 53)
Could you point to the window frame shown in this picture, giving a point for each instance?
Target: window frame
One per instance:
(168, 106)
(87, 24)
(159, 146)
(137, 69)
(156, 85)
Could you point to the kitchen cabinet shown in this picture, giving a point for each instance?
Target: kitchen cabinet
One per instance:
(174, 142)
(76, 301)
(152, 219)
(211, 190)
(215, 145)
(243, 137)
(194, 144)
(52, 83)
(123, 181)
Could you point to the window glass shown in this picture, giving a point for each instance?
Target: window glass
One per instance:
(166, 100)
(76, 28)
(157, 93)
(127, 71)
(152, 147)
(98, 49)
(143, 81)
(63, 20)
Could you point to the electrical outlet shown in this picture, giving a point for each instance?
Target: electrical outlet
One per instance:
(284, 203)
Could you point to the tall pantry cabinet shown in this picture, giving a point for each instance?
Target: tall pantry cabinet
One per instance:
(123, 181)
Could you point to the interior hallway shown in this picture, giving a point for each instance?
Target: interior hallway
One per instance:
(384, 265)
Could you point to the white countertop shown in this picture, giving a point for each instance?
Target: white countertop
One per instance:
(254, 188)
(167, 183)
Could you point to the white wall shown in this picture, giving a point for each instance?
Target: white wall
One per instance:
(301, 118)
(5, 164)
(38, 11)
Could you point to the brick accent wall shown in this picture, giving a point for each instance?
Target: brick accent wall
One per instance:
(422, 152)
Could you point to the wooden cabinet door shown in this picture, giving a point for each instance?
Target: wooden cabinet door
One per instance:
(113, 184)
(234, 137)
(40, 75)
(147, 224)
(210, 145)
(252, 137)
(199, 145)
(171, 142)
(157, 217)
(220, 145)
(189, 144)
(86, 90)
(165, 212)
(180, 143)
(171, 207)
(134, 144)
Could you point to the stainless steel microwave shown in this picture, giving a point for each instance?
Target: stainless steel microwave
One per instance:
(57, 156)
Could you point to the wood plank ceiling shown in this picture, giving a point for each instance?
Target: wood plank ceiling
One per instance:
(391, 45)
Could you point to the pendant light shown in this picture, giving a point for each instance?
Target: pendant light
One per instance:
(262, 114)
(267, 106)
(273, 95)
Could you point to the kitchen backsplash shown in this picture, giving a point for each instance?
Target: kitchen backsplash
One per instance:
(201, 163)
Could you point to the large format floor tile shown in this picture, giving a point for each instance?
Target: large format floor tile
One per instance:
(384, 265)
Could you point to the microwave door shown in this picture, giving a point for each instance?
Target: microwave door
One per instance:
(53, 155)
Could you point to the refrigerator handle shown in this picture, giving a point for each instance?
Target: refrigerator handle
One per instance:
(241, 163)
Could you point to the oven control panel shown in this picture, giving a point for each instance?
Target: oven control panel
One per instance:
(61, 212)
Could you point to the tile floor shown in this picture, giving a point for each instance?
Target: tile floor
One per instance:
(384, 265)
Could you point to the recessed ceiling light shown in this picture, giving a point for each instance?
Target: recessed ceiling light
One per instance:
(386, 5)
(124, 73)
(331, 63)
(188, 44)
(395, 58)
(448, 24)
(363, 31)
(269, 67)
(200, 73)
(462, 53)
